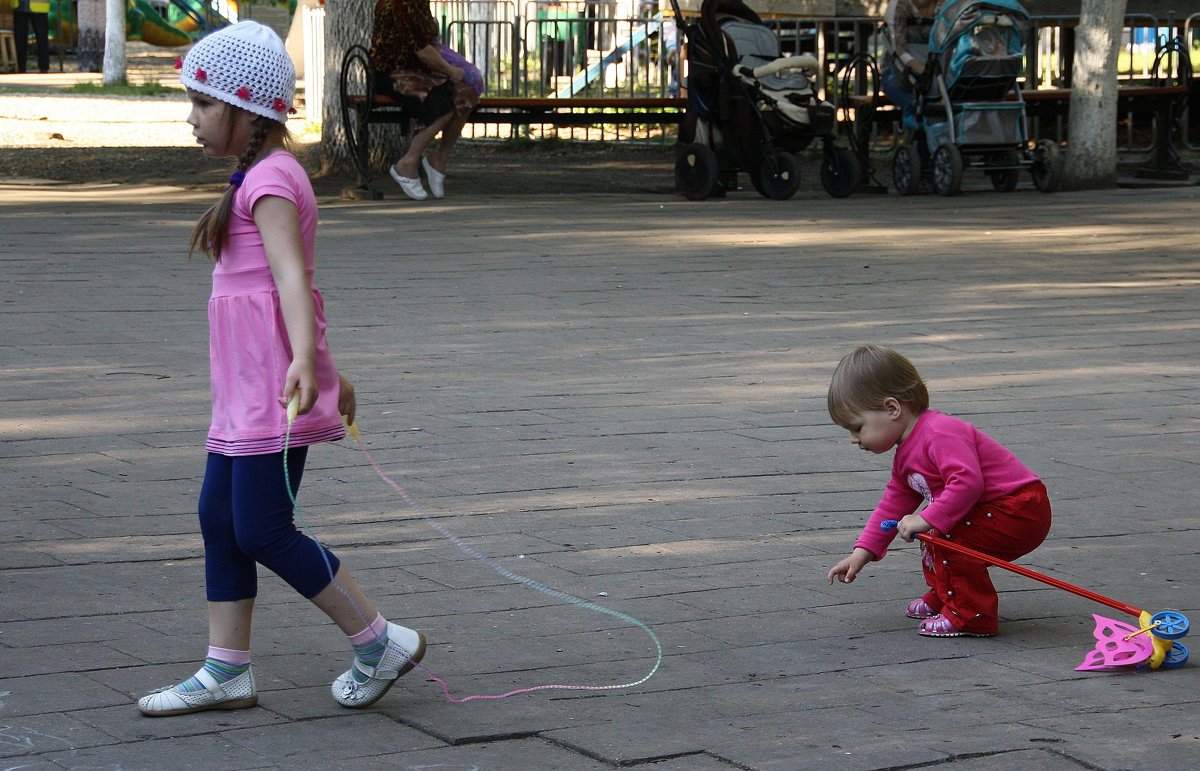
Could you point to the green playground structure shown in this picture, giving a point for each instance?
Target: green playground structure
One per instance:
(168, 23)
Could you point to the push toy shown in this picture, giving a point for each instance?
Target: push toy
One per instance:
(1118, 644)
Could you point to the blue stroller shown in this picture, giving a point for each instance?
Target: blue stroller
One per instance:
(969, 111)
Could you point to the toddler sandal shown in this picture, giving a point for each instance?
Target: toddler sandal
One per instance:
(239, 693)
(918, 608)
(940, 626)
(405, 649)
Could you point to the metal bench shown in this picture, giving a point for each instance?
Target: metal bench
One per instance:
(361, 108)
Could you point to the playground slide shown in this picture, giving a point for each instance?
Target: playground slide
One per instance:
(582, 79)
(145, 23)
(190, 15)
(142, 22)
(185, 21)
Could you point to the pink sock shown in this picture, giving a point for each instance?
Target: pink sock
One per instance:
(375, 630)
(228, 655)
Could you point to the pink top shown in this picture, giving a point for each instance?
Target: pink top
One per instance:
(948, 464)
(248, 347)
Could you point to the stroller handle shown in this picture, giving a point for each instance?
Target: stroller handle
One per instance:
(801, 62)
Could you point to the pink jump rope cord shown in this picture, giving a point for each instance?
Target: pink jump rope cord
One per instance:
(475, 554)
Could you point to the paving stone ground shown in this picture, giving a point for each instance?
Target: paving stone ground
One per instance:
(621, 397)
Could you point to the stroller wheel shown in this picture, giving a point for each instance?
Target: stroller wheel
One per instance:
(906, 171)
(1047, 168)
(779, 177)
(696, 171)
(840, 172)
(947, 170)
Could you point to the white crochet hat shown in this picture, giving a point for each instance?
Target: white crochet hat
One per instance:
(245, 65)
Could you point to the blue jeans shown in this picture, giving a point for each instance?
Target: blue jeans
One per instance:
(901, 96)
(246, 517)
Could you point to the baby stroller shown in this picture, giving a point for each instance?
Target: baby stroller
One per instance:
(750, 109)
(969, 111)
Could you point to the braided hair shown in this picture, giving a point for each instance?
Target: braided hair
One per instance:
(208, 236)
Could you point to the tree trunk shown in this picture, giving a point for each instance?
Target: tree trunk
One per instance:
(92, 14)
(348, 23)
(114, 43)
(1092, 129)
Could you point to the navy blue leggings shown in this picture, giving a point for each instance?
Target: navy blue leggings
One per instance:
(246, 517)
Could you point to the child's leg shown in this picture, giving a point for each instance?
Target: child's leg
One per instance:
(265, 527)
(968, 598)
(345, 604)
(1007, 528)
(266, 531)
(931, 597)
(224, 681)
(383, 651)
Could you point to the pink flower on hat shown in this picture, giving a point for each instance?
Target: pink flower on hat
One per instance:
(278, 105)
(179, 62)
(201, 75)
(243, 93)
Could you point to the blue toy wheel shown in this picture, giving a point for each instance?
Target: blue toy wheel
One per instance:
(1170, 625)
(1177, 656)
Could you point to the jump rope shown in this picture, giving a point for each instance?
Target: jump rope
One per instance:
(529, 583)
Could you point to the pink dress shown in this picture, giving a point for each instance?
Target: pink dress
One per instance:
(249, 352)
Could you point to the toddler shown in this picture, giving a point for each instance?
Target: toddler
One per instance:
(974, 491)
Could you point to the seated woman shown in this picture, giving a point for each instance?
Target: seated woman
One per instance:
(409, 60)
(908, 23)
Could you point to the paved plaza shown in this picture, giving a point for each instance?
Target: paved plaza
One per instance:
(621, 397)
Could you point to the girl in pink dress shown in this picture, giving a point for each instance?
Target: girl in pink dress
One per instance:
(266, 346)
(973, 489)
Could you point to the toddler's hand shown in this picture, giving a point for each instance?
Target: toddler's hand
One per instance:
(847, 570)
(844, 571)
(908, 527)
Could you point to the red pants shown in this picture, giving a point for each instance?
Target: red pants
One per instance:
(1007, 528)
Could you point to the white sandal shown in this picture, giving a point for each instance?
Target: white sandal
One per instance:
(411, 187)
(405, 648)
(239, 693)
(437, 179)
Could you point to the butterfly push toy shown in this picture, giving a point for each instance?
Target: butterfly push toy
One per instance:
(1153, 642)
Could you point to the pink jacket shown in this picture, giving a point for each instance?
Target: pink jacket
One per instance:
(949, 465)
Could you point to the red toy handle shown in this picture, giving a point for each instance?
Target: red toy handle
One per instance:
(943, 543)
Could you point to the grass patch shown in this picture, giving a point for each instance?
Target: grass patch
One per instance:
(121, 89)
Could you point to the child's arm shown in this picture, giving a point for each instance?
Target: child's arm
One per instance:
(847, 569)
(279, 224)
